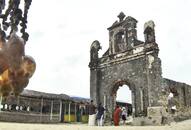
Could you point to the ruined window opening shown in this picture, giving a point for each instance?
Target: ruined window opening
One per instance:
(120, 42)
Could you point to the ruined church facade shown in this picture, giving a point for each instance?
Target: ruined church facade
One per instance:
(129, 61)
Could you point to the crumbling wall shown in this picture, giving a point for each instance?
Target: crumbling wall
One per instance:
(182, 95)
(181, 91)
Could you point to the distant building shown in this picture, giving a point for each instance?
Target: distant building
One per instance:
(34, 106)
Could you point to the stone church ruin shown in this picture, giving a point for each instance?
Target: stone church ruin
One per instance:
(129, 61)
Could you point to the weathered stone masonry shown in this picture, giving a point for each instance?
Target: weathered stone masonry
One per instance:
(134, 63)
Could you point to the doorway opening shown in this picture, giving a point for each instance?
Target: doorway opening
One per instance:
(123, 98)
(124, 94)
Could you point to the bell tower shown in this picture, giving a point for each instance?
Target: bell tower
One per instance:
(123, 34)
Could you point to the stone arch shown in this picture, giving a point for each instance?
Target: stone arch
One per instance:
(113, 91)
(120, 82)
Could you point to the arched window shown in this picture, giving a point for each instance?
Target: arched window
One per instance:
(120, 42)
(124, 98)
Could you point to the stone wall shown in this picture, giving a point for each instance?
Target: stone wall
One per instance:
(28, 117)
(181, 91)
(131, 73)
(182, 95)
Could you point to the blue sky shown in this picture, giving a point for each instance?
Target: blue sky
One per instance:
(61, 32)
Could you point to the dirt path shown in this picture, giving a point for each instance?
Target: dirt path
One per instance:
(185, 125)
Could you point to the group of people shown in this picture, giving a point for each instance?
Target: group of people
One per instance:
(119, 113)
(96, 115)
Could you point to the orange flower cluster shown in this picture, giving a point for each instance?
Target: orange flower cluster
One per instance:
(15, 67)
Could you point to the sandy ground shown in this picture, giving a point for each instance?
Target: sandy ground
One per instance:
(184, 125)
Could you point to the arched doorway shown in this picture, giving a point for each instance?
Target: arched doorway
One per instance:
(123, 95)
(124, 98)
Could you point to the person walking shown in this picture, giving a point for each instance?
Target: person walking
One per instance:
(116, 115)
(171, 103)
(171, 108)
(92, 114)
(124, 115)
(100, 115)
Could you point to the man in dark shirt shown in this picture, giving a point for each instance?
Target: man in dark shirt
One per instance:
(100, 114)
(92, 114)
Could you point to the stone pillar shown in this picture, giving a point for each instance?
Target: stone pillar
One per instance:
(94, 86)
(110, 106)
(110, 44)
(154, 79)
